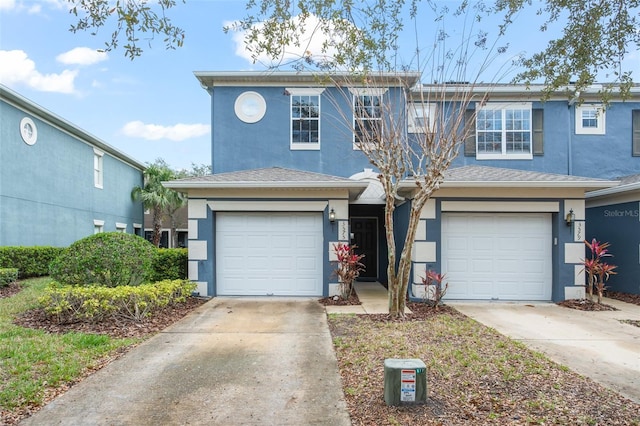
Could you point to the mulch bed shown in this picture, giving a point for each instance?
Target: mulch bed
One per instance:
(339, 301)
(10, 290)
(589, 305)
(120, 328)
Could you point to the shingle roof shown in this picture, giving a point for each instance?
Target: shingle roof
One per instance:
(272, 178)
(627, 180)
(498, 174)
(271, 174)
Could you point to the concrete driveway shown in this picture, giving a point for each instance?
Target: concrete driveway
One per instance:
(593, 344)
(233, 361)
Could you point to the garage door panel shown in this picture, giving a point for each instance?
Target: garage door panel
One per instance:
(497, 256)
(261, 253)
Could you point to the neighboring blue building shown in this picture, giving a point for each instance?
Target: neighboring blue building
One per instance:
(58, 183)
(613, 215)
(289, 183)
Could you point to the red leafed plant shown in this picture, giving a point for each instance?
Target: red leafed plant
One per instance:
(348, 268)
(435, 280)
(598, 271)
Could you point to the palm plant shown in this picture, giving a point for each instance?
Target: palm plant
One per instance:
(156, 198)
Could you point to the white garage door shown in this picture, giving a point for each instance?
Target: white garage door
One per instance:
(497, 256)
(269, 254)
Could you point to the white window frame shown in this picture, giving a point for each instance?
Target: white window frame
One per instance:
(98, 226)
(121, 227)
(362, 92)
(596, 110)
(294, 92)
(503, 107)
(98, 168)
(417, 113)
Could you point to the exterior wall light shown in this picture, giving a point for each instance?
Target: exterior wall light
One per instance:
(571, 218)
(332, 215)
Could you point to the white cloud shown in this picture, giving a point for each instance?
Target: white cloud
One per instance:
(17, 68)
(82, 56)
(7, 4)
(312, 39)
(178, 132)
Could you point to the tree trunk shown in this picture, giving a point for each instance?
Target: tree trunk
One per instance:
(157, 226)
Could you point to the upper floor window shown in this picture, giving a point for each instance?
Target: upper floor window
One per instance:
(98, 226)
(590, 120)
(421, 118)
(98, 171)
(503, 131)
(367, 118)
(305, 118)
(121, 227)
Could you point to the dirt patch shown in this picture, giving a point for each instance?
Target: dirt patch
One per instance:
(635, 323)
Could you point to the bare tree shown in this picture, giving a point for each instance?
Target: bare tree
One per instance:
(408, 163)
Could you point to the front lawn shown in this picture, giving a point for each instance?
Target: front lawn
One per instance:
(36, 365)
(475, 376)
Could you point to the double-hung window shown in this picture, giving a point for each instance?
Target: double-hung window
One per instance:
(367, 118)
(590, 120)
(98, 172)
(503, 131)
(421, 118)
(305, 118)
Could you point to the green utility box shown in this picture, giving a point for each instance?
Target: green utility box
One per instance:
(405, 381)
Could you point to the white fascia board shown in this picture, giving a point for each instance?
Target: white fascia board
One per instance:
(255, 184)
(613, 190)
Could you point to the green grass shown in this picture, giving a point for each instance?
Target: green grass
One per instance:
(33, 361)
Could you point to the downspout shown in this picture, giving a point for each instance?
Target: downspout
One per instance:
(210, 91)
(572, 102)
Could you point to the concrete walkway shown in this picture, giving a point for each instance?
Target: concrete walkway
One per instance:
(593, 344)
(373, 298)
(232, 361)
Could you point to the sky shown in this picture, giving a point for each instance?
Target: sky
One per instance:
(152, 107)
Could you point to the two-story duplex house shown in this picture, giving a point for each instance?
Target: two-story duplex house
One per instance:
(59, 183)
(288, 182)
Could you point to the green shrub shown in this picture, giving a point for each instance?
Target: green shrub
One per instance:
(170, 264)
(30, 261)
(108, 259)
(95, 303)
(8, 276)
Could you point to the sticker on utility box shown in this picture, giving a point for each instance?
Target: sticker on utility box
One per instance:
(408, 385)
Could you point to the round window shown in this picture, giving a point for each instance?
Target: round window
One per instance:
(28, 131)
(250, 107)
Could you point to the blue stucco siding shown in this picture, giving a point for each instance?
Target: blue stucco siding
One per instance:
(619, 224)
(47, 191)
(237, 145)
(607, 156)
(566, 152)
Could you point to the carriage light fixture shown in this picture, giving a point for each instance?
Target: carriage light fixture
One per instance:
(332, 215)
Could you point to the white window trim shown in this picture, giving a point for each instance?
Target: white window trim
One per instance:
(299, 91)
(493, 106)
(600, 130)
(420, 109)
(98, 168)
(356, 93)
(98, 226)
(121, 227)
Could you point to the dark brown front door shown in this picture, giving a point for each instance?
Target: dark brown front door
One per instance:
(365, 238)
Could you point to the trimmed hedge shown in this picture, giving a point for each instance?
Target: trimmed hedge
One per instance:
(109, 259)
(29, 261)
(8, 276)
(96, 303)
(170, 264)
